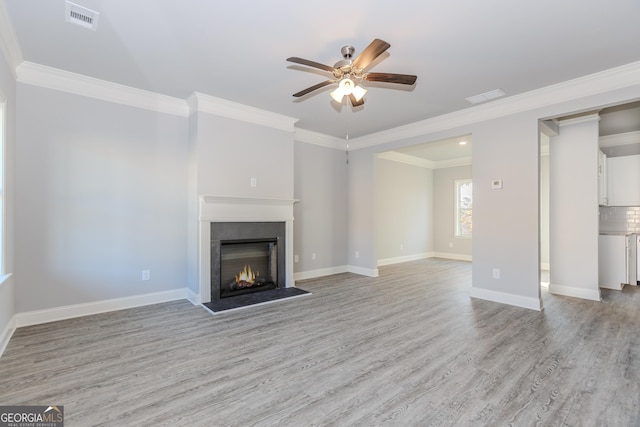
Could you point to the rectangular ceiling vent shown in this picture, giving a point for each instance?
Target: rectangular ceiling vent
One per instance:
(492, 94)
(82, 16)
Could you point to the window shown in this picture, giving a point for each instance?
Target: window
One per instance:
(464, 211)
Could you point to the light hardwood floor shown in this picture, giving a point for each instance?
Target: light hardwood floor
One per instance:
(409, 348)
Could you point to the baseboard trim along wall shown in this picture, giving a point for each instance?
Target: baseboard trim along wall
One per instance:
(457, 257)
(406, 258)
(504, 298)
(6, 335)
(415, 257)
(78, 310)
(572, 291)
(312, 274)
(370, 272)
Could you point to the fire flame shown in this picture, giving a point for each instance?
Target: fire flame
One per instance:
(246, 275)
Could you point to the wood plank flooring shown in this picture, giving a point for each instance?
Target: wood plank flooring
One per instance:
(409, 348)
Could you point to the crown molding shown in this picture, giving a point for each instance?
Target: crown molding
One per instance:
(221, 107)
(580, 119)
(620, 139)
(8, 41)
(604, 81)
(316, 138)
(407, 159)
(461, 161)
(78, 84)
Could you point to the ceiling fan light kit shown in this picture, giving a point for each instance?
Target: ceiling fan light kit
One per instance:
(349, 74)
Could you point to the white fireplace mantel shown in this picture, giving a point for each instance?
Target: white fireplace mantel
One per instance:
(240, 209)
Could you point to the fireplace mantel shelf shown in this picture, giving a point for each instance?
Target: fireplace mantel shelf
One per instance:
(247, 200)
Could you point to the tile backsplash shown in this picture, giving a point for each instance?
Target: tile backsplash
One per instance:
(620, 219)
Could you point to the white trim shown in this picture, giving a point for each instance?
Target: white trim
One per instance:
(545, 266)
(604, 81)
(461, 161)
(505, 298)
(78, 84)
(8, 42)
(572, 291)
(579, 119)
(407, 159)
(221, 107)
(316, 138)
(370, 272)
(619, 139)
(193, 297)
(322, 272)
(6, 335)
(406, 258)
(457, 257)
(241, 209)
(78, 310)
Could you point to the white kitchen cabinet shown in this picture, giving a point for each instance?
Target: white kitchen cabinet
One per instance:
(623, 181)
(602, 179)
(616, 260)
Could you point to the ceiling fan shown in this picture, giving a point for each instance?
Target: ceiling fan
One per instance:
(348, 73)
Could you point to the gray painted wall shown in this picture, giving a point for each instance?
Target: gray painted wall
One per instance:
(320, 225)
(231, 152)
(7, 288)
(573, 210)
(444, 211)
(403, 210)
(506, 222)
(101, 191)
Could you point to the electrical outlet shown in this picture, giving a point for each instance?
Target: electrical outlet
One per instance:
(357, 254)
(450, 244)
(296, 258)
(402, 246)
(313, 256)
(496, 273)
(254, 182)
(146, 274)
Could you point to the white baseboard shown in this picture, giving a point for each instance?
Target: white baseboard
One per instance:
(572, 291)
(193, 297)
(77, 310)
(446, 255)
(400, 259)
(6, 335)
(505, 298)
(370, 272)
(312, 274)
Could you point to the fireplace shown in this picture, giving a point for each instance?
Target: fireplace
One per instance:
(248, 266)
(225, 219)
(246, 257)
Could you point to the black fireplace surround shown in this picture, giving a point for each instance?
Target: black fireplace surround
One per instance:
(259, 238)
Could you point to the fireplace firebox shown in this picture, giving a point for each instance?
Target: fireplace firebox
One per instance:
(248, 266)
(246, 257)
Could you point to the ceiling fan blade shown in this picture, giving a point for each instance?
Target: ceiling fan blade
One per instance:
(355, 102)
(311, 63)
(312, 88)
(371, 52)
(404, 79)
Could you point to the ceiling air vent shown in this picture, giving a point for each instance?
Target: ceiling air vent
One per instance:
(496, 93)
(82, 16)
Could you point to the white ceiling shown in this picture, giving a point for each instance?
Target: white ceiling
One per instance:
(237, 50)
